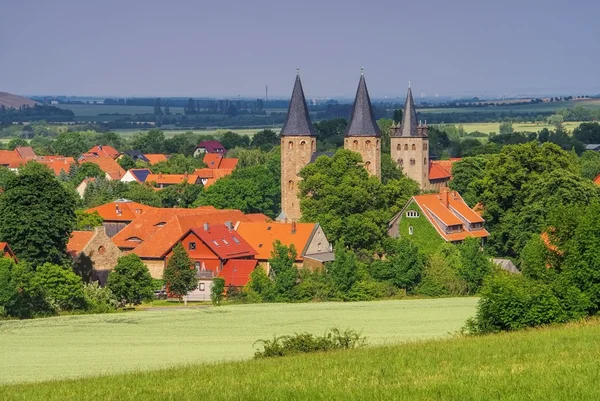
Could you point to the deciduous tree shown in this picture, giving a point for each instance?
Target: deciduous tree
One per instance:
(180, 275)
(130, 281)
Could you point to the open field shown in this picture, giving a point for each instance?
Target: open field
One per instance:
(487, 128)
(92, 110)
(560, 363)
(524, 108)
(88, 345)
(170, 133)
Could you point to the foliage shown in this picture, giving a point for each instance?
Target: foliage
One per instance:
(178, 164)
(260, 288)
(71, 143)
(62, 286)
(590, 164)
(402, 266)
(179, 275)
(464, 173)
(440, 274)
(231, 140)
(99, 299)
(85, 170)
(103, 191)
(21, 295)
(389, 169)
(301, 343)
(265, 139)
(142, 193)
(283, 270)
(130, 281)
(330, 133)
(37, 216)
(475, 265)
(181, 195)
(87, 221)
(587, 133)
(344, 269)
(217, 290)
(126, 162)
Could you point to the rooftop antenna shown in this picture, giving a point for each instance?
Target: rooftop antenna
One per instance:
(266, 93)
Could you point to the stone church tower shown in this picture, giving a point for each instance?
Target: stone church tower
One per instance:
(410, 144)
(363, 134)
(298, 143)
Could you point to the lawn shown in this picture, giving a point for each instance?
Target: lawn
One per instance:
(71, 346)
(560, 363)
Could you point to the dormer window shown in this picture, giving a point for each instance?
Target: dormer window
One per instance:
(412, 214)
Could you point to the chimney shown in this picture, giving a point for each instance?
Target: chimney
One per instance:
(206, 226)
(229, 225)
(118, 210)
(293, 227)
(444, 192)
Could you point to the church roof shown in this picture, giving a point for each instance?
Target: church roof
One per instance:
(408, 126)
(297, 122)
(362, 118)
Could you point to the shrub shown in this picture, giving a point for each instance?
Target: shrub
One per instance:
(306, 343)
(99, 299)
(315, 285)
(217, 289)
(475, 265)
(180, 275)
(366, 290)
(440, 276)
(403, 266)
(62, 286)
(260, 288)
(130, 281)
(21, 296)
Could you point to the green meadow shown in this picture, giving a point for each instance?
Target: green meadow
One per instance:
(488, 128)
(559, 363)
(90, 345)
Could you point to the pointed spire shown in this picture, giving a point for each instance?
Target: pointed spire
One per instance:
(362, 120)
(297, 122)
(408, 126)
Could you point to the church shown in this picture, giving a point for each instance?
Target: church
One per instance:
(409, 145)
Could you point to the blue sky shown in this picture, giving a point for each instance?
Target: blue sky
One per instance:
(230, 48)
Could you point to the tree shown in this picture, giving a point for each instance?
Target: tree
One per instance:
(126, 162)
(403, 265)
(180, 275)
(62, 286)
(397, 116)
(70, 143)
(283, 270)
(152, 141)
(590, 164)
(85, 170)
(464, 173)
(5, 176)
(344, 269)
(389, 169)
(87, 221)
(142, 193)
(231, 140)
(475, 266)
(17, 142)
(178, 164)
(181, 195)
(21, 296)
(37, 216)
(265, 139)
(260, 288)
(130, 281)
(217, 290)
(506, 128)
(587, 133)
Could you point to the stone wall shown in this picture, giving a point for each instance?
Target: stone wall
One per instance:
(369, 149)
(412, 154)
(98, 258)
(296, 152)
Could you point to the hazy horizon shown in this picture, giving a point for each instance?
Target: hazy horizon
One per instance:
(218, 49)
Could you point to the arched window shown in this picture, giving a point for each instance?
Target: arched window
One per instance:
(302, 144)
(368, 145)
(425, 146)
(411, 231)
(101, 250)
(377, 144)
(368, 166)
(355, 145)
(398, 147)
(290, 145)
(425, 161)
(406, 146)
(412, 162)
(414, 147)
(312, 145)
(290, 184)
(400, 162)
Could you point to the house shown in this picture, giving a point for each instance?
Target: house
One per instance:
(25, 152)
(136, 175)
(312, 247)
(83, 185)
(135, 155)
(94, 254)
(209, 147)
(209, 176)
(6, 252)
(104, 151)
(217, 161)
(111, 168)
(434, 218)
(217, 251)
(165, 180)
(58, 164)
(118, 214)
(154, 158)
(11, 159)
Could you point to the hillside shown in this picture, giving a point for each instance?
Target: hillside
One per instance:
(559, 363)
(14, 101)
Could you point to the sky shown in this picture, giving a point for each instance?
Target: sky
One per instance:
(230, 48)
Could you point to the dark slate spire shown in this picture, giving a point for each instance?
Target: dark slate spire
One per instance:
(409, 124)
(297, 122)
(362, 119)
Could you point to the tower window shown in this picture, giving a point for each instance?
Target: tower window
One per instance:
(400, 162)
(414, 147)
(290, 145)
(406, 146)
(425, 146)
(377, 143)
(368, 166)
(290, 184)
(398, 147)
(412, 162)
(368, 145)
(312, 145)
(302, 144)
(355, 145)
(425, 161)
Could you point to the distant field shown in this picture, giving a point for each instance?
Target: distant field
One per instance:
(88, 345)
(170, 133)
(531, 108)
(553, 364)
(94, 110)
(487, 128)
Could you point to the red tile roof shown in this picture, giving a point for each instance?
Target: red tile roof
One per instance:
(597, 180)
(78, 242)
(258, 217)
(261, 236)
(5, 251)
(216, 161)
(154, 158)
(10, 157)
(212, 146)
(25, 152)
(224, 242)
(228, 163)
(172, 179)
(121, 210)
(236, 272)
(58, 164)
(434, 208)
(106, 164)
(105, 151)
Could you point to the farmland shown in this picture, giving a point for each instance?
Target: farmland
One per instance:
(488, 128)
(559, 363)
(525, 108)
(170, 133)
(71, 346)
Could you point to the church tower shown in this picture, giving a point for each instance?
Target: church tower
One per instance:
(410, 144)
(298, 143)
(363, 134)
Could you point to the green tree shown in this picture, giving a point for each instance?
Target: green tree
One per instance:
(37, 216)
(389, 169)
(180, 275)
(217, 290)
(464, 173)
(231, 140)
(344, 269)
(16, 143)
(475, 266)
(403, 265)
(87, 221)
(397, 116)
(5, 176)
(587, 132)
(265, 139)
(260, 288)
(70, 143)
(506, 128)
(590, 164)
(126, 162)
(283, 270)
(85, 170)
(141, 193)
(62, 286)
(21, 296)
(178, 164)
(130, 281)
(152, 141)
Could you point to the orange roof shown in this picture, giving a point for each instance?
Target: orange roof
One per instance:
(217, 173)
(7, 252)
(262, 235)
(212, 160)
(10, 157)
(205, 172)
(228, 163)
(455, 213)
(25, 152)
(154, 158)
(236, 272)
(597, 180)
(154, 233)
(78, 242)
(171, 179)
(105, 151)
(258, 217)
(120, 210)
(106, 164)
(58, 164)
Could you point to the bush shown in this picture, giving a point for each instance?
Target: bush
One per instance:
(217, 289)
(99, 299)
(130, 281)
(367, 290)
(63, 288)
(21, 296)
(306, 343)
(440, 276)
(315, 285)
(260, 288)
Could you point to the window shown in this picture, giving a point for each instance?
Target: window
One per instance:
(319, 247)
(197, 266)
(355, 145)
(201, 286)
(192, 246)
(414, 147)
(290, 184)
(412, 162)
(290, 145)
(398, 147)
(425, 161)
(406, 146)
(237, 241)
(368, 166)
(101, 250)
(368, 145)
(313, 146)
(377, 144)
(215, 242)
(425, 146)
(225, 241)
(302, 144)
(412, 213)
(411, 231)
(400, 162)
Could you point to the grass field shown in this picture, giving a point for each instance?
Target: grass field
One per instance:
(560, 363)
(90, 110)
(170, 133)
(71, 346)
(528, 108)
(487, 128)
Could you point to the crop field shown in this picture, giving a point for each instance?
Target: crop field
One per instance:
(552, 364)
(488, 128)
(94, 110)
(89, 345)
(171, 133)
(530, 108)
